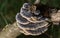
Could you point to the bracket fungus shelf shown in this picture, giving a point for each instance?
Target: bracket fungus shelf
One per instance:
(29, 23)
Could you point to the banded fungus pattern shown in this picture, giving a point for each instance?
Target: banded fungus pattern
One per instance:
(30, 24)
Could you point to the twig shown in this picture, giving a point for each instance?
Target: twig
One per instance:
(37, 2)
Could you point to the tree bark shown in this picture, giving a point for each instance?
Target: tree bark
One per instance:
(10, 31)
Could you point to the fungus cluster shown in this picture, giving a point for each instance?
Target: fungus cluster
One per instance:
(28, 23)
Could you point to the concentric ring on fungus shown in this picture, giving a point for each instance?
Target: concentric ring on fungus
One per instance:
(33, 26)
(28, 15)
(21, 20)
(38, 31)
(28, 24)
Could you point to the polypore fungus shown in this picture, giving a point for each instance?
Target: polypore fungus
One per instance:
(30, 24)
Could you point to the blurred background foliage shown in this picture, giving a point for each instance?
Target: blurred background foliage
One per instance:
(9, 8)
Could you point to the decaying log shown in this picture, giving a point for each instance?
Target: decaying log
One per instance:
(10, 31)
(55, 17)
